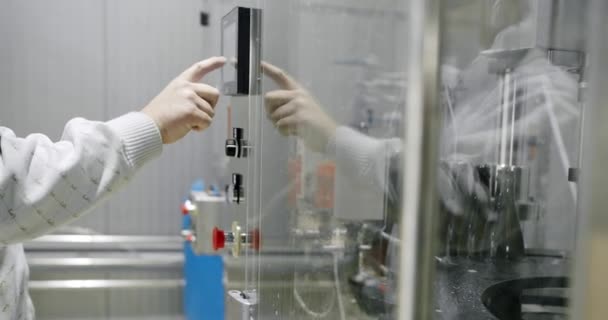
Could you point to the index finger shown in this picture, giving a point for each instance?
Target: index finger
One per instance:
(200, 69)
(279, 76)
(275, 99)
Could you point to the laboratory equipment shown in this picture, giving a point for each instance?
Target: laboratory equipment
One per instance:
(203, 291)
(448, 190)
(205, 212)
(241, 40)
(514, 118)
(237, 146)
(320, 227)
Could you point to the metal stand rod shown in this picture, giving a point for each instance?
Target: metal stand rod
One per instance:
(420, 159)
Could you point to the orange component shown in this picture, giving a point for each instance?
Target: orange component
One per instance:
(324, 195)
(256, 239)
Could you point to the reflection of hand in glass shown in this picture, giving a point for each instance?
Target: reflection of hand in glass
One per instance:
(294, 111)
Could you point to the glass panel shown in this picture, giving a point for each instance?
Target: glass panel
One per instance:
(591, 256)
(334, 93)
(510, 87)
(323, 179)
(239, 233)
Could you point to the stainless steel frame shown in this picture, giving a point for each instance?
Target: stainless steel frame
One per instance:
(255, 54)
(422, 124)
(253, 69)
(589, 273)
(104, 242)
(157, 261)
(105, 284)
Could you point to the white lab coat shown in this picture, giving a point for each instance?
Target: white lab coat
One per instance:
(44, 185)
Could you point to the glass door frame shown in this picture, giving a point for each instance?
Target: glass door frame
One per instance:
(422, 122)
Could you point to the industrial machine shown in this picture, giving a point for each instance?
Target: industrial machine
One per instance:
(449, 189)
(203, 291)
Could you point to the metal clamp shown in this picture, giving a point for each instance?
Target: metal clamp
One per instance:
(238, 241)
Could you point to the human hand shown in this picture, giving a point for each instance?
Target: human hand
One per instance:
(294, 111)
(185, 104)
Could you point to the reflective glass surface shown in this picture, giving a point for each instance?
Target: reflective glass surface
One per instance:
(328, 144)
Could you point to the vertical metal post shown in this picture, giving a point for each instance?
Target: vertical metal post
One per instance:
(420, 157)
(589, 274)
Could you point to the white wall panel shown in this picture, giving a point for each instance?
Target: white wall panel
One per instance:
(51, 67)
(99, 59)
(149, 43)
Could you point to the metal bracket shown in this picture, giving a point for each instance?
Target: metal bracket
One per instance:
(244, 303)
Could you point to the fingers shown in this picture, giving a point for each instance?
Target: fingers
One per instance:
(199, 120)
(275, 99)
(282, 79)
(207, 92)
(283, 112)
(200, 69)
(204, 106)
(287, 126)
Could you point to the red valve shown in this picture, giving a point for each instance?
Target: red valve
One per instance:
(190, 238)
(219, 239)
(187, 207)
(256, 241)
(184, 209)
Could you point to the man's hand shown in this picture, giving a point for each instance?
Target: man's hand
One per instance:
(295, 112)
(185, 104)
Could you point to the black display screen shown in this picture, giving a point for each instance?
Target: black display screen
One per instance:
(241, 48)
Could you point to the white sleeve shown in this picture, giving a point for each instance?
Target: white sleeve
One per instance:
(365, 158)
(45, 184)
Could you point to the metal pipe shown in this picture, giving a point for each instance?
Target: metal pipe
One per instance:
(420, 157)
(104, 242)
(157, 261)
(505, 84)
(39, 285)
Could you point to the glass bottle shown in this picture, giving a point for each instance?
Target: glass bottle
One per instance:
(463, 176)
(507, 229)
(475, 217)
(449, 211)
(487, 244)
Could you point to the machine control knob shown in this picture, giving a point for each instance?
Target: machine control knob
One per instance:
(237, 133)
(237, 147)
(237, 179)
(232, 148)
(218, 239)
(238, 192)
(235, 239)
